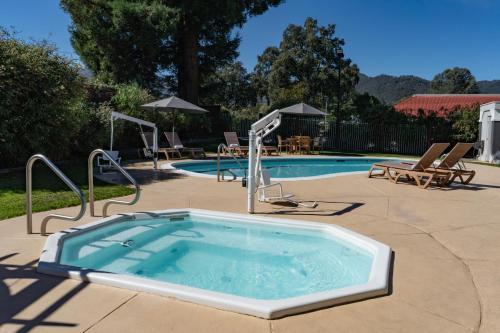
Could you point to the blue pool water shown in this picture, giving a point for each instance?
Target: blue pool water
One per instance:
(244, 259)
(286, 167)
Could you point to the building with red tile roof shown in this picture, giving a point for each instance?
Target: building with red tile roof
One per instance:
(442, 104)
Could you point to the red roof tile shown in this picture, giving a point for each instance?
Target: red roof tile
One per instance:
(442, 104)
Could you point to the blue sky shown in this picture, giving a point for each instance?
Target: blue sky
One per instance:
(396, 37)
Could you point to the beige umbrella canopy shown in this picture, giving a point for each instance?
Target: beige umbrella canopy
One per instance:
(174, 104)
(303, 109)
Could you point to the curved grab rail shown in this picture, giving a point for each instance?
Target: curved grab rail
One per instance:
(92, 155)
(29, 195)
(223, 147)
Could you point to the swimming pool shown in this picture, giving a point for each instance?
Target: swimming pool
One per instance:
(284, 168)
(254, 265)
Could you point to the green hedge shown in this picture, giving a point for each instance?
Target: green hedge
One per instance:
(39, 95)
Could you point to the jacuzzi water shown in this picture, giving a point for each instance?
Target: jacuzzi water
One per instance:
(285, 167)
(252, 260)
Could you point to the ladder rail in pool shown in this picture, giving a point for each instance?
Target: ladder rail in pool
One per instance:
(29, 194)
(92, 155)
(220, 172)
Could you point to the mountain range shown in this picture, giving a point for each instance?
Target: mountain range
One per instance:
(391, 89)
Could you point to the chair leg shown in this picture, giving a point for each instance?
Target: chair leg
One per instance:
(471, 175)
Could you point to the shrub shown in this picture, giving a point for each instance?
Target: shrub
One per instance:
(465, 124)
(40, 92)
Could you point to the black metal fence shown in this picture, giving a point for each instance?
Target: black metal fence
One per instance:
(396, 139)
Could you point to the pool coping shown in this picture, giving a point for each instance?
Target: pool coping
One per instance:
(170, 166)
(377, 284)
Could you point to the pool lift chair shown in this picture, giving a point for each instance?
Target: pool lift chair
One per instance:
(259, 179)
(266, 184)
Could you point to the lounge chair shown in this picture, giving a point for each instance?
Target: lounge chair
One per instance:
(103, 161)
(265, 196)
(419, 171)
(452, 163)
(147, 138)
(233, 144)
(175, 142)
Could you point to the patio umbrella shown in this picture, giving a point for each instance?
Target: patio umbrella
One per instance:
(174, 104)
(303, 109)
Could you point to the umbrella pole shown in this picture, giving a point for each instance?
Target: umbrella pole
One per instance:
(111, 138)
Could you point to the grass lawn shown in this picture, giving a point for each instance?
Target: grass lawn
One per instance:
(49, 192)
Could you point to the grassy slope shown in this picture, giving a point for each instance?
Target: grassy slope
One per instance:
(49, 192)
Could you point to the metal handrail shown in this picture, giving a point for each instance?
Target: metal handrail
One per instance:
(92, 155)
(220, 148)
(29, 195)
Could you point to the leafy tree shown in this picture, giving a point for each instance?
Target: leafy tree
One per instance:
(262, 71)
(465, 126)
(368, 109)
(306, 68)
(40, 92)
(152, 42)
(454, 81)
(123, 41)
(230, 86)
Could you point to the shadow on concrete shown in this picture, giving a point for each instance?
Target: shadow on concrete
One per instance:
(11, 305)
(291, 210)
(141, 175)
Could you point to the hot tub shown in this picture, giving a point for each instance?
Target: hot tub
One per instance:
(259, 266)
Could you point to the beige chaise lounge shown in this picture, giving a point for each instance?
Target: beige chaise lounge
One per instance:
(422, 171)
(451, 162)
(147, 138)
(233, 144)
(175, 142)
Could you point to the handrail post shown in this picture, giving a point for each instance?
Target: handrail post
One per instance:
(92, 155)
(29, 195)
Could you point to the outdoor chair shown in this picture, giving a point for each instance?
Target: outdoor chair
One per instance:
(283, 144)
(233, 144)
(305, 144)
(452, 162)
(318, 143)
(267, 195)
(103, 161)
(175, 142)
(422, 171)
(147, 139)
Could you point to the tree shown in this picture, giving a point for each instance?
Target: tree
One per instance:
(465, 126)
(306, 68)
(153, 42)
(262, 71)
(230, 87)
(454, 81)
(123, 41)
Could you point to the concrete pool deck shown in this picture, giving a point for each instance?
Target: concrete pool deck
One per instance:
(446, 270)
